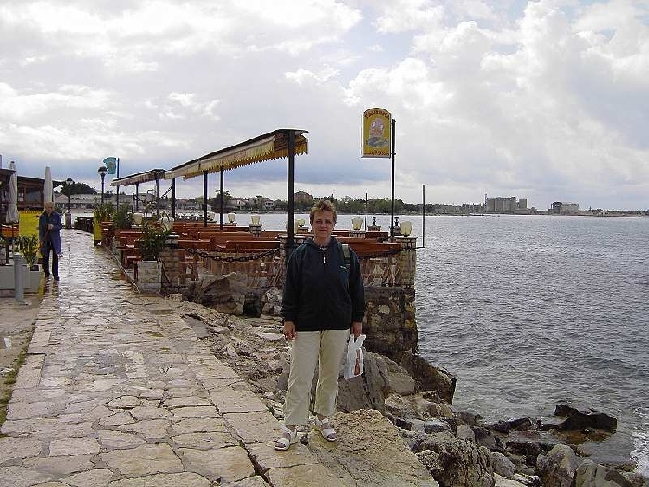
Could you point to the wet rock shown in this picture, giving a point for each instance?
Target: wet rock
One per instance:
(506, 482)
(590, 474)
(521, 424)
(429, 377)
(502, 465)
(558, 467)
(458, 463)
(580, 420)
(464, 432)
(435, 425)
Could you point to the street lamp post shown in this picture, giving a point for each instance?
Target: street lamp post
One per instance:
(68, 215)
(102, 172)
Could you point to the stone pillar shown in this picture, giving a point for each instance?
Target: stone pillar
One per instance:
(283, 239)
(255, 230)
(407, 261)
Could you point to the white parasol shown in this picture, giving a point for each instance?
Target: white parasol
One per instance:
(12, 207)
(48, 189)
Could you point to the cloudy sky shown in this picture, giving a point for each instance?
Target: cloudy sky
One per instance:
(547, 100)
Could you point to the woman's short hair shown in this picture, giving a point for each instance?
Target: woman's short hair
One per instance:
(323, 205)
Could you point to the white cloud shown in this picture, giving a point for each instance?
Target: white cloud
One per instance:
(546, 100)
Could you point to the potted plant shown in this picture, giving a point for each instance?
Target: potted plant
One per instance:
(28, 246)
(122, 219)
(152, 241)
(149, 268)
(101, 213)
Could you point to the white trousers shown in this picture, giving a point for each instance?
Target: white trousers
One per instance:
(310, 347)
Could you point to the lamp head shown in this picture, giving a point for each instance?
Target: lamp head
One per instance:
(406, 228)
(102, 171)
(69, 181)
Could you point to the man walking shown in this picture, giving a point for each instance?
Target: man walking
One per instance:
(49, 234)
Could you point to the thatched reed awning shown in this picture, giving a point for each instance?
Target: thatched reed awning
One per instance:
(265, 147)
(140, 177)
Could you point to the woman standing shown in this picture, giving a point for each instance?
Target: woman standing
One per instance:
(323, 301)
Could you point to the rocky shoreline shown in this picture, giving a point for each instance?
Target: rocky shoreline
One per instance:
(457, 448)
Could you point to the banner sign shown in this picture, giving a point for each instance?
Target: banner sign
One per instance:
(377, 133)
(111, 165)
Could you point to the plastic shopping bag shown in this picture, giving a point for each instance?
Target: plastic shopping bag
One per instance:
(354, 361)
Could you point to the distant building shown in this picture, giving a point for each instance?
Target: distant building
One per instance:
(561, 208)
(505, 205)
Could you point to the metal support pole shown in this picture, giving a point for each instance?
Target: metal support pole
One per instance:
(118, 185)
(137, 196)
(157, 196)
(205, 198)
(103, 176)
(221, 193)
(393, 137)
(423, 226)
(173, 198)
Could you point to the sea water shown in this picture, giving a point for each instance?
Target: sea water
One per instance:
(530, 311)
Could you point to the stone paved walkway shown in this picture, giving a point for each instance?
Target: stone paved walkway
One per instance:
(117, 390)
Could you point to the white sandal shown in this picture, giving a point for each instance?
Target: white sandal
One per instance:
(326, 429)
(289, 436)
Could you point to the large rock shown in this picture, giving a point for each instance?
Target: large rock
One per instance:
(226, 294)
(456, 463)
(590, 474)
(369, 452)
(558, 467)
(579, 420)
(429, 377)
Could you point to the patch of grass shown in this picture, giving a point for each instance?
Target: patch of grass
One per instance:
(9, 380)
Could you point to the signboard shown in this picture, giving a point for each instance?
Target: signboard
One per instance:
(111, 165)
(377, 133)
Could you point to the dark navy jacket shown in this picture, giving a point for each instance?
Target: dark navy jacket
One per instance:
(53, 235)
(319, 292)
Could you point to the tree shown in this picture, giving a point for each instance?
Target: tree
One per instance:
(226, 200)
(77, 188)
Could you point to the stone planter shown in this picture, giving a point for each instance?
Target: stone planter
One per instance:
(149, 276)
(32, 280)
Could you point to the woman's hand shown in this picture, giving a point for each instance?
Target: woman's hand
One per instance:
(289, 330)
(356, 329)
